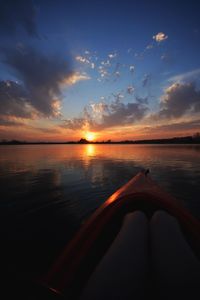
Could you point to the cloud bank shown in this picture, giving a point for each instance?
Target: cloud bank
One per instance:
(41, 77)
(180, 99)
(37, 93)
(101, 115)
(14, 101)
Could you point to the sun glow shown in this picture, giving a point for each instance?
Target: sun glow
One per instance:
(90, 136)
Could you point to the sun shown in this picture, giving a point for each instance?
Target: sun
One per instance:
(90, 136)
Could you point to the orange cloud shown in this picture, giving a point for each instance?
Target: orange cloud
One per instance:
(74, 78)
(160, 36)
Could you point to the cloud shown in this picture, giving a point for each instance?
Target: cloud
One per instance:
(122, 114)
(180, 99)
(132, 69)
(42, 77)
(9, 122)
(148, 47)
(14, 102)
(99, 116)
(82, 59)
(142, 100)
(107, 68)
(103, 72)
(146, 80)
(15, 14)
(87, 60)
(130, 89)
(46, 130)
(118, 97)
(112, 55)
(100, 108)
(185, 77)
(75, 123)
(75, 77)
(188, 125)
(160, 37)
(181, 127)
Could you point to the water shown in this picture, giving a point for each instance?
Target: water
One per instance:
(47, 191)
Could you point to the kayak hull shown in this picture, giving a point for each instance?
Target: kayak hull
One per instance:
(72, 269)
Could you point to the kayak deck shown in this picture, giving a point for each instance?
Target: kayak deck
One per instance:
(78, 260)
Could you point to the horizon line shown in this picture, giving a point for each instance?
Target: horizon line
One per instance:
(195, 137)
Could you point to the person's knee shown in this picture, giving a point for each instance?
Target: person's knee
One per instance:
(173, 260)
(162, 218)
(135, 218)
(122, 272)
(163, 225)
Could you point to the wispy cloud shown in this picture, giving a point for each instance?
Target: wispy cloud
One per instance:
(130, 89)
(112, 55)
(146, 80)
(180, 127)
(108, 68)
(186, 76)
(49, 130)
(75, 77)
(88, 59)
(8, 121)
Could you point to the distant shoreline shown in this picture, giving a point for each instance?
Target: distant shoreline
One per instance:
(175, 140)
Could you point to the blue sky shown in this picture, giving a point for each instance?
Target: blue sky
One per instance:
(120, 68)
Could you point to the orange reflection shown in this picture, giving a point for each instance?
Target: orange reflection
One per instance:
(90, 150)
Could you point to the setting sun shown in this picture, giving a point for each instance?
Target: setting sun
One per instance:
(90, 136)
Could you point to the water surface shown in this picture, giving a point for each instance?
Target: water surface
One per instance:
(48, 190)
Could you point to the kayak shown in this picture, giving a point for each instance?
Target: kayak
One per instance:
(71, 270)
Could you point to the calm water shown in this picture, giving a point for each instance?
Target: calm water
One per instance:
(48, 190)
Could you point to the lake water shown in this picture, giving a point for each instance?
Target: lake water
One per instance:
(48, 190)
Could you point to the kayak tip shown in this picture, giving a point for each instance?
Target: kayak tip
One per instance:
(145, 171)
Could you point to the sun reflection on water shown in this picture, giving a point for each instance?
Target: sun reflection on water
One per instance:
(90, 150)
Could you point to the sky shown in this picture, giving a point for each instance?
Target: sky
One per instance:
(119, 70)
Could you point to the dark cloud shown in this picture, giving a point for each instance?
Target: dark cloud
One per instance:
(180, 127)
(180, 99)
(142, 100)
(41, 76)
(146, 80)
(14, 102)
(189, 125)
(7, 123)
(123, 114)
(75, 123)
(100, 116)
(47, 130)
(16, 14)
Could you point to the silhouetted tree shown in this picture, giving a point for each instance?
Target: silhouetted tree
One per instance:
(83, 141)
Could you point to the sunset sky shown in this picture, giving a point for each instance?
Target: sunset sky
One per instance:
(99, 69)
